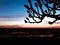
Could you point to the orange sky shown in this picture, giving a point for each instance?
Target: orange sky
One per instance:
(41, 25)
(19, 23)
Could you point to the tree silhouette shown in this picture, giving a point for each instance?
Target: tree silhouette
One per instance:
(40, 12)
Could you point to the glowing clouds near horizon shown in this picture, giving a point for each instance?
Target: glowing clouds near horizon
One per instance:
(11, 21)
(46, 19)
(20, 22)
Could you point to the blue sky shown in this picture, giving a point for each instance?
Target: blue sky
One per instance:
(12, 8)
(12, 12)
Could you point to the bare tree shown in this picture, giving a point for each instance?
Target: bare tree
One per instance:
(50, 11)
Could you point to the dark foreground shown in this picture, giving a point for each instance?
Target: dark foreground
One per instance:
(29, 32)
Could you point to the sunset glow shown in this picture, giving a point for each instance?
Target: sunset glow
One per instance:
(13, 14)
(18, 23)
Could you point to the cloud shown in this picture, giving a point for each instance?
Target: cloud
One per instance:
(12, 21)
(20, 20)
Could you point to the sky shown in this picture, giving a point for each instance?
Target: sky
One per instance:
(13, 12)
(12, 8)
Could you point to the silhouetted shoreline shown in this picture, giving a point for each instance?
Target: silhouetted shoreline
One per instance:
(28, 32)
